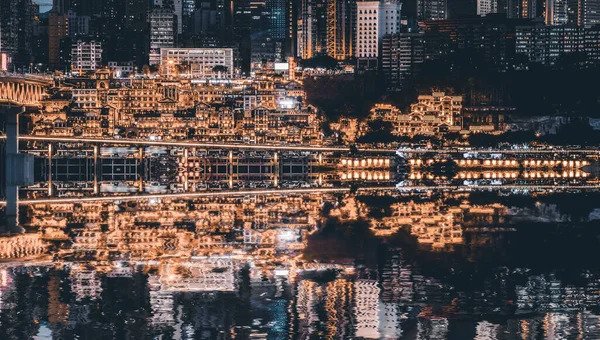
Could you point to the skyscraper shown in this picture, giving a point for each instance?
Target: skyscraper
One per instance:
(162, 33)
(341, 28)
(58, 29)
(556, 12)
(589, 13)
(485, 7)
(312, 29)
(374, 20)
(16, 30)
(432, 9)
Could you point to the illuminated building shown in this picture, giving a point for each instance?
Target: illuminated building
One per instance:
(433, 114)
(16, 30)
(544, 44)
(341, 26)
(432, 9)
(58, 28)
(162, 33)
(312, 29)
(589, 13)
(401, 57)
(366, 300)
(198, 62)
(374, 19)
(485, 7)
(86, 56)
(556, 12)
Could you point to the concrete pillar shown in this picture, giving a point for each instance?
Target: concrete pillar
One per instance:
(96, 151)
(11, 171)
(50, 189)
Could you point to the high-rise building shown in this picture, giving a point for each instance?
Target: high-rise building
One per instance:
(589, 13)
(189, 7)
(341, 28)
(86, 56)
(374, 20)
(401, 57)
(125, 31)
(16, 30)
(528, 9)
(79, 25)
(485, 7)
(557, 12)
(312, 29)
(61, 6)
(490, 38)
(162, 33)
(58, 30)
(432, 9)
(242, 31)
(545, 44)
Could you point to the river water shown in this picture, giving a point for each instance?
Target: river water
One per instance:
(360, 264)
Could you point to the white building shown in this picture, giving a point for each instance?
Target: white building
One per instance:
(199, 62)
(121, 69)
(557, 12)
(375, 19)
(86, 56)
(485, 7)
(162, 33)
(366, 309)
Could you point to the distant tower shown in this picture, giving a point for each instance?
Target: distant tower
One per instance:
(432, 9)
(485, 7)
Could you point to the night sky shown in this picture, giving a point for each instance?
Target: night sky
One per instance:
(45, 5)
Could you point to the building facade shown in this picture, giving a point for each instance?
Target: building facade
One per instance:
(86, 56)
(374, 20)
(162, 33)
(199, 62)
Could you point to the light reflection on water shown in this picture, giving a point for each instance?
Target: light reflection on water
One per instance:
(305, 266)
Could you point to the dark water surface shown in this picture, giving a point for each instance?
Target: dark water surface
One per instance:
(365, 265)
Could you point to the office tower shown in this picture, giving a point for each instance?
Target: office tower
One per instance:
(589, 13)
(485, 7)
(528, 9)
(58, 30)
(401, 57)
(374, 20)
(162, 33)
(312, 29)
(491, 37)
(16, 30)
(545, 44)
(61, 6)
(366, 309)
(124, 30)
(556, 12)
(86, 56)
(341, 26)
(291, 28)
(573, 12)
(189, 7)
(432, 9)
(262, 43)
(79, 25)
(242, 30)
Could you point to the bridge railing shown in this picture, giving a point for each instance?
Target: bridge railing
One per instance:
(27, 76)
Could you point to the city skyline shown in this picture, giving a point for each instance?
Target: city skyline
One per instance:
(310, 169)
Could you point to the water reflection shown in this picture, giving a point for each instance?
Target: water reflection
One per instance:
(371, 264)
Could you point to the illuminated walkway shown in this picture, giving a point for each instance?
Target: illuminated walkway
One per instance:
(183, 195)
(187, 144)
(498, 151)
(59, 139)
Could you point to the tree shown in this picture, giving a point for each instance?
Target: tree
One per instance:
(220, 68)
